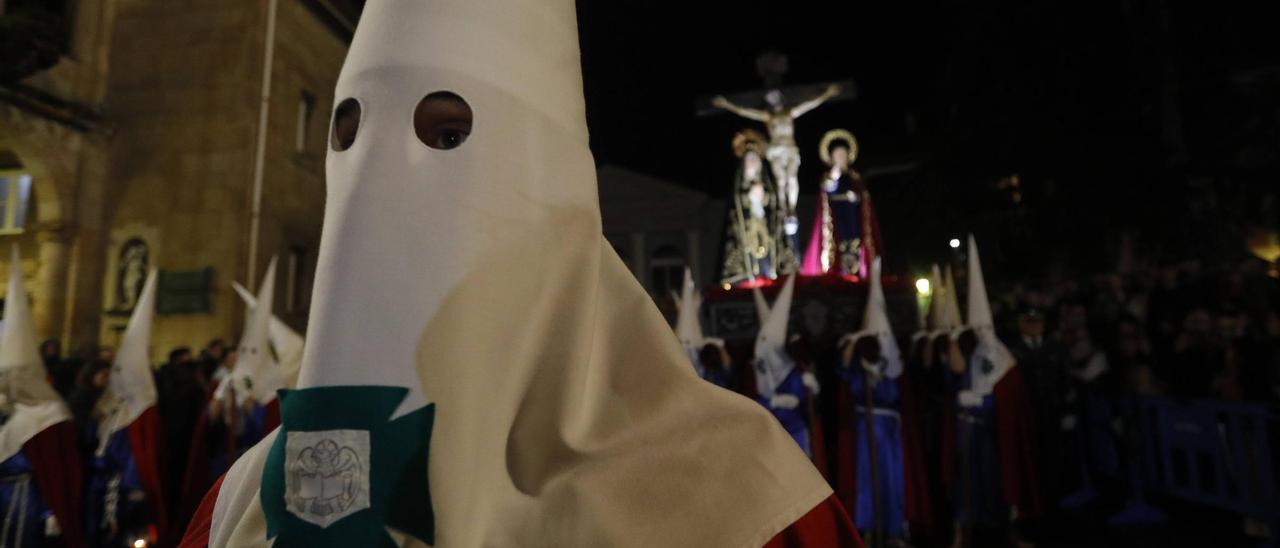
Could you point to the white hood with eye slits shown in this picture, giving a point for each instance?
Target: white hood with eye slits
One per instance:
(30, 405)
(478, 278)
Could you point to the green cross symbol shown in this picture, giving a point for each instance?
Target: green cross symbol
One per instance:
(345, 492)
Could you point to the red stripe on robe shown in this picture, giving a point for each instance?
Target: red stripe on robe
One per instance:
(197, 535)
(271, 418)
(826, 525)
(147, 446)
(914, 472)
(1016, 441)
(817, 441)
(58, 475)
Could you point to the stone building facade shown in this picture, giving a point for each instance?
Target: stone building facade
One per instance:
(138, 148)
(659, 227)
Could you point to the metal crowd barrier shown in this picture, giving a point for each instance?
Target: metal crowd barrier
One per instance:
(1217, 453)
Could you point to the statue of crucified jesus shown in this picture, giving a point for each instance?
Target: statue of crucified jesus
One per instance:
(783, 154)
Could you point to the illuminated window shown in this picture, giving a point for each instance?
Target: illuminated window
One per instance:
(15, 193)
(306, 111)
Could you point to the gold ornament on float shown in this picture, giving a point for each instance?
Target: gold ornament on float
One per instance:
(824, 148)
(749, 139)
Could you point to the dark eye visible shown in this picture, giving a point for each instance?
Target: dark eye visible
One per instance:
(346, 121)
(442, 120)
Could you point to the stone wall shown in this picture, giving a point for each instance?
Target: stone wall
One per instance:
(183, 97)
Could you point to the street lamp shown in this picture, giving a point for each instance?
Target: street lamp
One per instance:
(955, 243)
(922, 287)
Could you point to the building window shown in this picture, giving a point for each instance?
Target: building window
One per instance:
(666, 269)
(15, 195)
(294, 292)
(306, 111)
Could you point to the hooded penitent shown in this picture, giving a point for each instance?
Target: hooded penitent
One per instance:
(255, 374)
(688, 326)
(129, 440)
(994, 419)
(872, 430)
(286, 344)
(875, 322)
(131, 390)
(989, 346)
(480, 366)
(31, 404)
(39, 456)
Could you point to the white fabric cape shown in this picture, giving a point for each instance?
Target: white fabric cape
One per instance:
(566, 412)
(33, 404)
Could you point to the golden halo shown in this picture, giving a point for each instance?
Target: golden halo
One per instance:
(824, 149)
(748, 139)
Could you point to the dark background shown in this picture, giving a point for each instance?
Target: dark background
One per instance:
(1149, 120)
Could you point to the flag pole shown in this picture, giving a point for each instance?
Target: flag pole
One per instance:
(260, 153)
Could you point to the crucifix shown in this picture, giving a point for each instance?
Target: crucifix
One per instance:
(779, 117)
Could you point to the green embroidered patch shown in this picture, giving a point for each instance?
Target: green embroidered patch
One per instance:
(341, 472)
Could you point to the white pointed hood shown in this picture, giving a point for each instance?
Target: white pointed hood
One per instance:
(286, 343)
(952, 321)
(255, 374)
(30, 403)
(478, 279)
(937, 303)
(990, 351)
(772, 363)
(762, 306)
(875, 322)
(132, 388)
(688, 326)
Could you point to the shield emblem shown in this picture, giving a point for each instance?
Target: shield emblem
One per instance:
(326, 474)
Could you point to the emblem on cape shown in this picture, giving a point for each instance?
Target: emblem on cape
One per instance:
(342, 472)
(326, 474)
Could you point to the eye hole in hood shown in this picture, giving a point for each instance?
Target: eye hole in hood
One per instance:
(346, 122)
(442, 120)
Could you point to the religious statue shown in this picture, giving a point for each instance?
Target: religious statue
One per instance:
(783, 154)
(846, 232)
(754, 243)
(131, 273)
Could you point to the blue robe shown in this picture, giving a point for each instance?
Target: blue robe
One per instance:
(888, 436)
(22, 513)
(113, 490)
(795, 421)
(978, 498)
